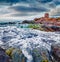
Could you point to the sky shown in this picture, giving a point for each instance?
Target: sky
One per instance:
(28, 9)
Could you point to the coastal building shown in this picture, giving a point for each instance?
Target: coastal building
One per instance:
(47, 20)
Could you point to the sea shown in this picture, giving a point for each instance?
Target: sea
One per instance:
(26, 39)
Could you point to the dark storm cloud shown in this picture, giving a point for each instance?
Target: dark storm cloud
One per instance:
(44, 1)
(33, 6)
(30, 1)
(9, 1)
(57, 2)
(29, 9)
(52, 5)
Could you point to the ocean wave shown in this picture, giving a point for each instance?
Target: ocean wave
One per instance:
(27, 39)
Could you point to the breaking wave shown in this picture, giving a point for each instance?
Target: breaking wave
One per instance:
(27, 39)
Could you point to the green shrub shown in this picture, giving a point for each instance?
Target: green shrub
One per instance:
(35, 26)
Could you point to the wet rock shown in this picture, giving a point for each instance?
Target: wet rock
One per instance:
(55, 50)
(9, 51)
(3, 56)
(40, 55)
(16, 55)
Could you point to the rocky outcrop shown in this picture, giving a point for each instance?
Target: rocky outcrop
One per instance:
(41, 55)
(16, 55)
(55, 50)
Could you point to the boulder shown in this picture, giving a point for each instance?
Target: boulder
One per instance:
(3, 56)
(40, 55)
(55, 50)
(16, 55)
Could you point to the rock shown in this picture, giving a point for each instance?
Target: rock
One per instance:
(16, 55)
(55, 50)
(9, 51)
(40, 55)
(3, 56)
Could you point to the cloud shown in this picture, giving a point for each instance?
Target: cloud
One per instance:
(20, 8)
(14, 1)
(51, 5)
(23, 14)
(57, 2)
(24, 7)
(9, 1)
(44, 1)
(55, 11)
(29, 9)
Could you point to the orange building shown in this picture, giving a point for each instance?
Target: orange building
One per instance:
(47, 20)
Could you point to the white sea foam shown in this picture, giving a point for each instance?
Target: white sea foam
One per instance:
(27, 38)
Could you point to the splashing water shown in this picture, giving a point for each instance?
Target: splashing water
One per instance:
(27, 39)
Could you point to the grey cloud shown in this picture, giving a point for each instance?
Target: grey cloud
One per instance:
(44, 1)
(51, 5)
(35, 6)
(23, 14)
(29, 9)
(57, 2)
